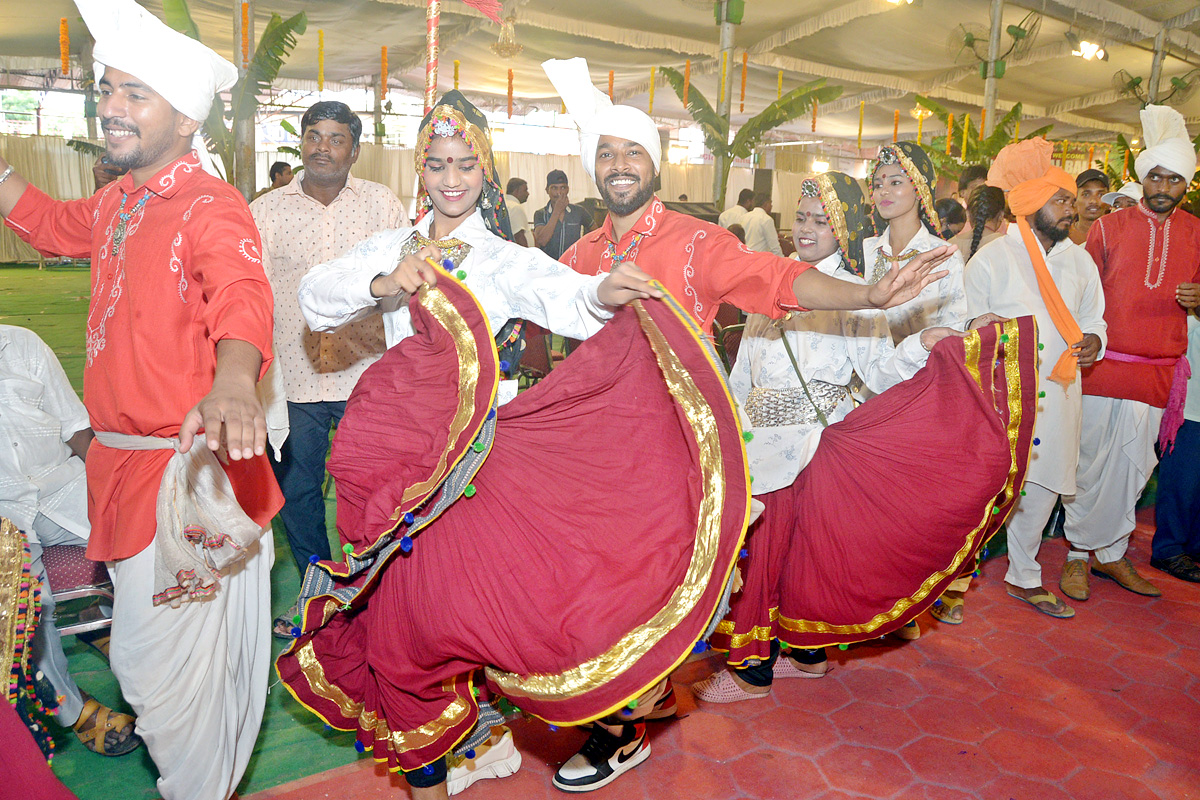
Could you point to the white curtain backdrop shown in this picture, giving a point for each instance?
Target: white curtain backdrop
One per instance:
(54, 168)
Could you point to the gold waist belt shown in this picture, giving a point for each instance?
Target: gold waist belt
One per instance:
(769, 408)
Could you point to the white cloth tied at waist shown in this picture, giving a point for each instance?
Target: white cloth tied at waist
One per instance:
(201, 530)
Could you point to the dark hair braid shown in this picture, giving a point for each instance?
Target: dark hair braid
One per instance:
(985, 203)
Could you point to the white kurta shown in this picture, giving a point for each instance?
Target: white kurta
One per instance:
(510, 281)
(1000, 279)
(941, 303)
(830, 346)
(761, 234)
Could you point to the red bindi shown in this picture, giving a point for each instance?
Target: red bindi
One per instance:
(450, 160)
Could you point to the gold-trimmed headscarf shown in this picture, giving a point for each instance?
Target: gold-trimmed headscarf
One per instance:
(846, 208)
(917, 165)
(454, 115)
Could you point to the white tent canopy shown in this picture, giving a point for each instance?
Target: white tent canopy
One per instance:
(881, 52)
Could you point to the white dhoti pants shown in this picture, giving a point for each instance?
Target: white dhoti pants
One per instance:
(1116, 457)
(195, 675)
(1024, 529)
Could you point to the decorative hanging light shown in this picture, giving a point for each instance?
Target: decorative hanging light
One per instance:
(506, 46)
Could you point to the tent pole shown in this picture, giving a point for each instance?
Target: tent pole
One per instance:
(990, 89)
(433, 21)
(1160, 50)
(243, 129)
(724, 104)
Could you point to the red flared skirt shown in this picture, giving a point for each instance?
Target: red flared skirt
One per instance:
(896, 502)
(588, 557)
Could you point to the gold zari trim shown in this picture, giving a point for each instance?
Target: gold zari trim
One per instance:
(604, 668)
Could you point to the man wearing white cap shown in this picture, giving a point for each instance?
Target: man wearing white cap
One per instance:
(1128, 196)
(1149, 261)
(703, 265)
(178, 334)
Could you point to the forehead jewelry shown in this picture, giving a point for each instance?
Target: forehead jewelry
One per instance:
(450, 159)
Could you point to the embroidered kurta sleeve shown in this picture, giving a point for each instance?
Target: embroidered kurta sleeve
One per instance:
(221, 250)
(757, 283)
(53, 227)
(547, 292)
(339, 291)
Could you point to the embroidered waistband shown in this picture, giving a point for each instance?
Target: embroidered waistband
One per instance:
(770, 408)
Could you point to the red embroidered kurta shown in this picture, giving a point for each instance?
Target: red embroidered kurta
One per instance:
(701, 264)
(187, 276)
(1141, 261)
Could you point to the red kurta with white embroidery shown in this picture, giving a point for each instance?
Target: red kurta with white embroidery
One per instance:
(1141, 261)
(186, 275)
(701, 264)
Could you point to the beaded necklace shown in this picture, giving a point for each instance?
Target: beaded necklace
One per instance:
(119, 235)
(627, 253)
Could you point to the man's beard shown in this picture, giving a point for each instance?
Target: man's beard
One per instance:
(1169, 202)
(638, 199)
(1051, 230)
(143, 154)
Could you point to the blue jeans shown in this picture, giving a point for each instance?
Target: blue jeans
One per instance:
(1177, 504)
(301, 473)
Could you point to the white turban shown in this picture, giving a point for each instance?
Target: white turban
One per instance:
(1167, 143)
(596, 115)
(186, 73)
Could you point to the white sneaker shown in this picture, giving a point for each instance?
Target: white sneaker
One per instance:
(603, 757)
(497, 760)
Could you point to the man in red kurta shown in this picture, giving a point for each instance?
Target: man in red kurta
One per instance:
(1149, 261)
(703, 265)
(178, 333)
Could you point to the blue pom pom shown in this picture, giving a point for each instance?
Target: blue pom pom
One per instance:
(328, 727)
(359, 746)
(553, 727)
(470, 753)
(491, 413)
(744, 553)
(447, 265)
(313, 559)
(1037, 442)
(295, 633)
(700, 647)
(937, 602)
(504, 366)
(406, 544)
(428, 769)
(626, 712)
(408, 518)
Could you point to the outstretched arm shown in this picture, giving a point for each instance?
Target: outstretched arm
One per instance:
(12, 188)
(815, 290)
(230, 413)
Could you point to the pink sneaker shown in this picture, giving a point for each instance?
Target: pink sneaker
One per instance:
(720, 687)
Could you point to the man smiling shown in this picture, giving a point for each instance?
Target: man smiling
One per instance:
(1090, 187)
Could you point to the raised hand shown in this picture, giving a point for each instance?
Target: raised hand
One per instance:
(408, 275)
(902, 284)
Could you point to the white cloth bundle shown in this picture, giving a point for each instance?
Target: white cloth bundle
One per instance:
(1167, 143)
(595, 114)
(201, 530)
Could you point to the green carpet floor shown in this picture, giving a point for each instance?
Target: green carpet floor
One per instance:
(293, 743)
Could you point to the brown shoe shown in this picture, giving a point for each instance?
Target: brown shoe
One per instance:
(1126, 576)
(1074, 580)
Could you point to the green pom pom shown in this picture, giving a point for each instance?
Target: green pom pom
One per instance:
(995, 510)
(1022, 493)
(347, 549)
(1041, 394)
(296, 619)
(1041, 346)
(632, 704)
(478, 447)
(470, 490)
(461, 274)
(747, 436)
(475, 691)
(843, 647)
(1004, 337)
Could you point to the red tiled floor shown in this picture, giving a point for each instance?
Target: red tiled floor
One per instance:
(1010, 705)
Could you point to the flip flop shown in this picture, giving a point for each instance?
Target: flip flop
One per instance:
(92, 732)
(1059, 610)
(941, 610)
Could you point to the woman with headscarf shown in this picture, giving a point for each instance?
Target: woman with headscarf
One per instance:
(907, 223)
(573, 601)
(831, 561)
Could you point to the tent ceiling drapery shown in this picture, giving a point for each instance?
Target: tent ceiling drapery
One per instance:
(880, 52)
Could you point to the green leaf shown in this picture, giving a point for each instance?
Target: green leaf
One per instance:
(289, 127)
(276, 44)
(86, 147)
(795, 103)
(714, 127)
(179, 17)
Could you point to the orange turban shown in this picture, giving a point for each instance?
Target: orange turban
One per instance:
(1024, 171)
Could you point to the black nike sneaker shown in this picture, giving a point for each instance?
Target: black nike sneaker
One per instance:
(608, 752)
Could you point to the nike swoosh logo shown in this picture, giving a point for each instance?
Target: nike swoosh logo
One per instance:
(623, 757)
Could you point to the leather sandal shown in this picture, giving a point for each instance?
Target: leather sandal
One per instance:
(1046, 603)
(943, 610)
(94, 724)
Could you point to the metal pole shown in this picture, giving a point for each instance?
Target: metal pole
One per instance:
(1160, 51)
(243, 129)
(724, 104)
(990, 89)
